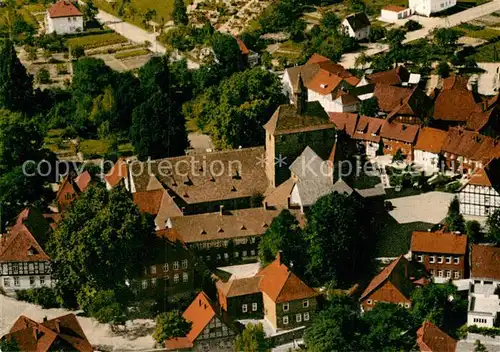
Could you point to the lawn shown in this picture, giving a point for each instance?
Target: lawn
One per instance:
(132, 53)
(97, 40)
(363, 181)
(478, 31)
(486, 53)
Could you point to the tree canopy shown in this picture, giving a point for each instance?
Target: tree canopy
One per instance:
(170, 324)
(454, 220)
(179, 13)
(98, 245)
(493, 224)
(252, 339)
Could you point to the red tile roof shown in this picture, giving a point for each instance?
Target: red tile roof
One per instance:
(471, 145)
(397, 273)
(399, 131)
(178, 343)
(368, 129)
(243, 47)
(430, 338)
(488, 176)
(40, 337)
(344, 121)
(64, 8)
(118, 172)
(200, 312)
(149, 201)
(438, 242)
(281, 285)
(485, 262)
(390, 97)
(392, 77)
(394, 8)
(430, 140)
(455, 102)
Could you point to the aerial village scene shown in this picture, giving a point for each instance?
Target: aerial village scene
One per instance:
(249, 175)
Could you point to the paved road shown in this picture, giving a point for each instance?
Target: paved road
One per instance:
(428, 23)
(138, 35)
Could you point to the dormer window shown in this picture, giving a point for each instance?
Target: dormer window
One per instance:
(32, 251)
(323, 85)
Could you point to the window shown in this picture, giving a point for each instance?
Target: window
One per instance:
(254, 307)
(456, 260)
(218, 256)
(165, 267)
(184, 264)
(15, 268)
(440, 259)
(226, 256)
(420, 258)
(176, 278)
(407, 305)
(285, 320)
(208, 258)
(153, 269)
(42, 280)
(176, 264)
(153, 282)
(32, 281)
(144, 284)
(16, 281)
(305, 303)
(285, 307)
(244, 254)
(448, 260)
(6, 282)
(456, 275)
(236, 254)
(205, 347)
(185, 277)
(432, 259)
(369, 301)
(298, 318)
(433, 272)
(440, 273)
(252, 252)
(448, 274)
(31, 268)
(306, 316)
(244, 308)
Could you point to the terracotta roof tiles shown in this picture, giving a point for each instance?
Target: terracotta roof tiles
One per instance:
(430, 140)
(485, 262)
(438, 242)
(64, 8)
(393, 77)
(430, 338)
(399, 131)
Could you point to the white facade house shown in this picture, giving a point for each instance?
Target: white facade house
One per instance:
(357, 26)
(480, 196)
(64, 18)
(428, 148)
(393, 13)
(429, 7)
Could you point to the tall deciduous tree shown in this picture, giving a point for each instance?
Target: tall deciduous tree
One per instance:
(228, 53)
(252, 339)
(169, 325)
(16, 86)
(454, 220)
(284, 234)
(337, 228)
(99, 244)
(179, 13)
(335, 328)
(493, 224)
(395, 38)
(369, 107)
(89, 11)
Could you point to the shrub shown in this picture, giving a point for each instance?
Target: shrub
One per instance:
(443, 69)
(492, 332)
(43, 76)
(43, 296)
(412, 25)
(77, 51)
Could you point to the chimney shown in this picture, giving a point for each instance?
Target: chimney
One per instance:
(221, 210)
(300, 96)
(199, 302)
(44, 319)
(265, 205)
(278, 257)
(58, 327)
(288, 204)
(35, 333)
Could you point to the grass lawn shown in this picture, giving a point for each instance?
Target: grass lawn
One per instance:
(364, 181)
(377, 5)
(478, 32)
(132, 53)
(97, 147)
(486, 53)
(97, 40)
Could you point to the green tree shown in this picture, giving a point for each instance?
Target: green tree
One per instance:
(412, 25)
(284, 234)
(89, 12)
(158, 128)
(473, 231)
(441, 304)
(454, 220)
(355, 5)
(148, 16)
(398, 156)
(330, 21)
(395, 38)
(77, 51)
(228, 53)
(388, 327)
(337, 230)
(335, 328)
(369, 107)
(90, 77)
(105, 307)
(179, 13)
(99, 225)
(16, 86)
(446, 36)
(252, 339)
(443, 69)
(9, 345)
(493, 225)
(479, 347)
(169, 325)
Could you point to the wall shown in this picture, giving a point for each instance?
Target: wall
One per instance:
(24, 282)
(473, 316)
(427, 7)
(386, 293)
(64, 25)
(392, 146)
(270, 157)
(287, 86)
(235, 304)
(295, 308)
(478, 200)
(425, 158)
(434, 268)
(269, 309)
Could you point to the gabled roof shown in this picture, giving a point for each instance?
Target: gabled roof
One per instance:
(200, 312)
(278, 197)
(286, 119)
(358, 21)
(430, 140)
(118, 172)
(390, 97)
(397, 273)
(471, 145)
(64, 8)
(368, 129)
(430, 338)
(417, 104)
(393, 77)
(281, 285)
(399, 131)
(455, 102)
(149, 201)
(438, 242)
(485, 262)
(243, 48)
(344, 121)
(239, 287)
(40, 337)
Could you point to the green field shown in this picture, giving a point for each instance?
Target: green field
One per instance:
(486, 53)
(97, 40)
(132, 53)
(478, 31)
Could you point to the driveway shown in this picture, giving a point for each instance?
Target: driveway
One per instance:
(430, 207)
(138, 35)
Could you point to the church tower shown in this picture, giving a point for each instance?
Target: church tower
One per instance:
(300, 95)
